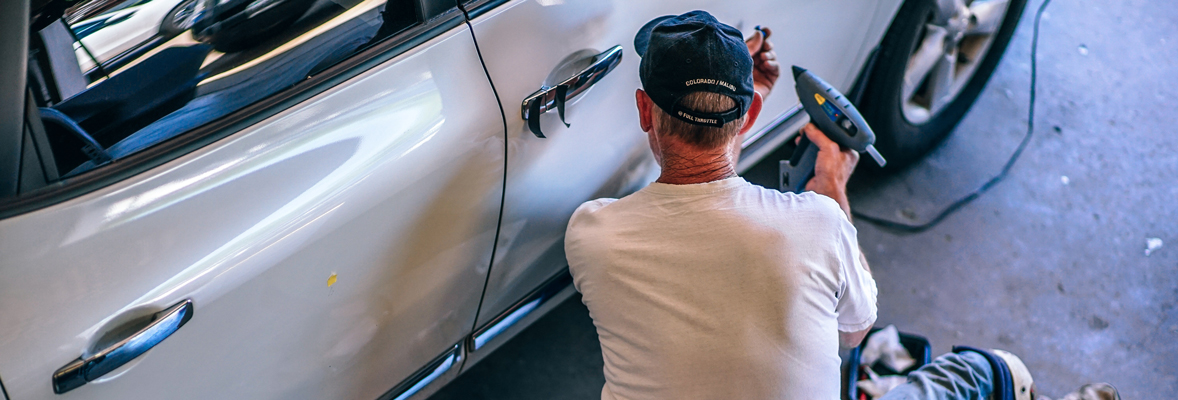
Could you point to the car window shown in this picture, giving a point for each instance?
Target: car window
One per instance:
(109, 78)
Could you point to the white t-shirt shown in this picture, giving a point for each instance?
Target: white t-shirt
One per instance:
(720, 290)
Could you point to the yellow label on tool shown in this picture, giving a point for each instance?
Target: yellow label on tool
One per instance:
(821, 100)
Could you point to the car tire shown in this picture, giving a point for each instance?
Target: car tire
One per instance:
(905, 131)
(178, 20)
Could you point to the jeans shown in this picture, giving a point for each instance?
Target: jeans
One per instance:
(961, 376)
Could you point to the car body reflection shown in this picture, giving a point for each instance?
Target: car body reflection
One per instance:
(102, 38)
(155, 84)
(235, 25)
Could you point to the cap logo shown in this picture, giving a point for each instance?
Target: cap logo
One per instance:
(698, 120)
(716, 82)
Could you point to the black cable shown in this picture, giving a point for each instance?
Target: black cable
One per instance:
(913, 228)
(503, 194)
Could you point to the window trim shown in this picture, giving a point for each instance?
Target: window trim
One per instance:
(13, 76)
(184, 143)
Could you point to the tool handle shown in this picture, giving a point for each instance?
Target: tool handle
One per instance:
(796, 172)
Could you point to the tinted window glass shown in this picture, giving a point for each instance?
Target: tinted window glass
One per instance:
(112, 77)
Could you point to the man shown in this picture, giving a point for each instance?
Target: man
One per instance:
(703, 285)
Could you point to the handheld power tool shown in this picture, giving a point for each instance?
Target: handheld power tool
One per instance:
(836, 117)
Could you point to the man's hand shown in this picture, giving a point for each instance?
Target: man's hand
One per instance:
(833, 168)
(765, 67)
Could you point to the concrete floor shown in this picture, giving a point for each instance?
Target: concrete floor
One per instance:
(1050, 264)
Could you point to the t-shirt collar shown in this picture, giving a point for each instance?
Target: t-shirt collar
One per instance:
(697, 188)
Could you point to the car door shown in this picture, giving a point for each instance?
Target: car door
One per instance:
(603, 153)
(331, 249)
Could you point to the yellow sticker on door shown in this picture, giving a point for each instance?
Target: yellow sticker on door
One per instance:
(331, 279)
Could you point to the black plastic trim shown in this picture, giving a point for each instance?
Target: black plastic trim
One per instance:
(192, 140)
(13, 74)
(855, 95)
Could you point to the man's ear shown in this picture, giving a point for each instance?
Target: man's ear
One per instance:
(645, 110)
(754, 111)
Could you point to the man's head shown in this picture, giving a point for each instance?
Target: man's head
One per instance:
(698, 79)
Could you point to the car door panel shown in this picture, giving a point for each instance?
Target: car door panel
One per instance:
(330, 251)
(524, 57)
(604, 153)
(885, 11)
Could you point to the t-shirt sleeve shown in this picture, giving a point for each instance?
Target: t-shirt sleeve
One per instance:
(575, 244)
(856, 306)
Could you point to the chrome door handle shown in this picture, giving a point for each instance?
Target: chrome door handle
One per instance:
(113, 356)
(549, 97)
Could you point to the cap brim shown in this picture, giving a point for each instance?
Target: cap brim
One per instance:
(642, 39)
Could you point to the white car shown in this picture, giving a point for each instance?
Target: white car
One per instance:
(362, 211)
(110, 34)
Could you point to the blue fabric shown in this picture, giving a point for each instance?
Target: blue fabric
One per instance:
(962, 376)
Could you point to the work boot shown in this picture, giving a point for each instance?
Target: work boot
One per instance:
(1024, 385)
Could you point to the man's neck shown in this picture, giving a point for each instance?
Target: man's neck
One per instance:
(701, 167)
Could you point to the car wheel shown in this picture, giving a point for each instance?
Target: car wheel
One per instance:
(178, 20)
(932, 64)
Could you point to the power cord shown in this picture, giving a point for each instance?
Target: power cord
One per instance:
(916, 228)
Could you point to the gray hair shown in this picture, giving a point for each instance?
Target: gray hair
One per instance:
(702, 136)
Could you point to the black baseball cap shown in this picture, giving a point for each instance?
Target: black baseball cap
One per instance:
(693, 52)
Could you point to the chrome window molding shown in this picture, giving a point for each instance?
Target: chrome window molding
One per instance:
(762, 143)
(772, 127)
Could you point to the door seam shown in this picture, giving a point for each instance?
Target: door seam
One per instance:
(503, 192)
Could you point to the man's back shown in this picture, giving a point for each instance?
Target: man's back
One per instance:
(719, 290)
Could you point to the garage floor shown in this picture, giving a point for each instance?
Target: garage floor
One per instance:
(1050, 264)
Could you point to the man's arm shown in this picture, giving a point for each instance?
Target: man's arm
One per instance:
(833, 168)
(765, 67)
(831, 172)
(850, 340)
(766, 70)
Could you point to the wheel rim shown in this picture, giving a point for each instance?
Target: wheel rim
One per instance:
(951, 46)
